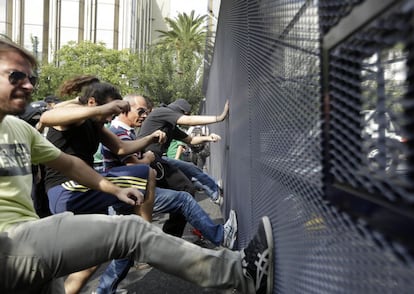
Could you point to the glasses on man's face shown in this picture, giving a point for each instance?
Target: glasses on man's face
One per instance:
(142, 111)
(16, 77)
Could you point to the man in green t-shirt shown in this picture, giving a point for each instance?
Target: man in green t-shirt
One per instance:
(36, 253)
(176, 149)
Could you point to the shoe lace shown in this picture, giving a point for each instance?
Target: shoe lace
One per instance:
(255, 263)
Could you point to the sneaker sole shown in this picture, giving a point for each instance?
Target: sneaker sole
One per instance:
(269, 239)
(234, 226)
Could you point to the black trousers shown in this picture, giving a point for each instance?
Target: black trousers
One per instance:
(175, 179)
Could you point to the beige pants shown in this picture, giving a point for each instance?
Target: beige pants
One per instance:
(33, 255)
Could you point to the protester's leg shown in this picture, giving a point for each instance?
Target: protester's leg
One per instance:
(167, 200)
(75, 281)
(52, 251)
(192, 171)
(73, 197)
(175, 179)
(114, 273)
(117, 270)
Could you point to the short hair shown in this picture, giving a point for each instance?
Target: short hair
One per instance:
(131, 98)
(7, 45)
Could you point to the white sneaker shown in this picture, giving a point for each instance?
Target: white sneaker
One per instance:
(219, 201)
(230, 230)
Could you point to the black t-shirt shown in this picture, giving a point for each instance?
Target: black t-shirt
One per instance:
(164, 119)
(81, 141)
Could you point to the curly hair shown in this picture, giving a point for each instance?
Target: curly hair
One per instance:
(87, 86)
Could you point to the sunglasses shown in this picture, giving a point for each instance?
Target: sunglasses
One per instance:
(16, 77)
(141, 111)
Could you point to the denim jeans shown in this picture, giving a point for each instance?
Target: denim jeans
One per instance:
(165, 201)
(198, 176)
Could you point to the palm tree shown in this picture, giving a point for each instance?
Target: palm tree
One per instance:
(187, 35)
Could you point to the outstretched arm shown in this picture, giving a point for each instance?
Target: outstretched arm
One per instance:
(201, 139)
(74, 113)
(72, 102)
(192, 120)
(77, 170)
(120, 147)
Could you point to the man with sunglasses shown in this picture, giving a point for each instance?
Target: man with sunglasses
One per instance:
(16, 77)
(166, 200)
(36, 253)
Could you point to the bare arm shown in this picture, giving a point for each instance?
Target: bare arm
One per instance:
(120, 147)
(192, 120)
(201, 139)
(73, 113)
(147, 158)
(71, 166)
(74, 101)
(180, 150)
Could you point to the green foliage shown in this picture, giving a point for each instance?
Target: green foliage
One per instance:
(161, 79)
(184, 44)
(113, 66)
(187, 34)
(168, 70)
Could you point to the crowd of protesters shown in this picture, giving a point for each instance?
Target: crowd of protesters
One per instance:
(37, 253)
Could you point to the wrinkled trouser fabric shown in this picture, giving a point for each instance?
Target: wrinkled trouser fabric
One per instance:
(165, 201)
(34, 254)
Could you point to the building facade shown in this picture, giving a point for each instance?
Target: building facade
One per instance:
(44, 26)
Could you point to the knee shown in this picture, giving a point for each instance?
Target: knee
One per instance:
(186, 197)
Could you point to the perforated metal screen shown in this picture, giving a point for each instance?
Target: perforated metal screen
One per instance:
(321, 106)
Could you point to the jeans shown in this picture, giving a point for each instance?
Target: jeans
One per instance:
(165, 201)
(35, 254)
(198, 176)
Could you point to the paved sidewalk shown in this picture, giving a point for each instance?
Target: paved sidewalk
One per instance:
(152, 281)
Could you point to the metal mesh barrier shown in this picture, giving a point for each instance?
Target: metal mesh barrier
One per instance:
(320, 114)
(367, 87)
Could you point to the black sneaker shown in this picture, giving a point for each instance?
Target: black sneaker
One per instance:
(257, 258)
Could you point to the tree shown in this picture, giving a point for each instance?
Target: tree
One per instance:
(186, 43)
(153, 72)
(187, 35)
(161, 80)
(113, 66)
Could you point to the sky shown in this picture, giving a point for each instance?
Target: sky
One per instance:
(180, 6)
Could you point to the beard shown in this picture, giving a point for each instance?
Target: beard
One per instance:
(18, 102)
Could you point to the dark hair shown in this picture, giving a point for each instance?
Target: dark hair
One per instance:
(90, 86)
